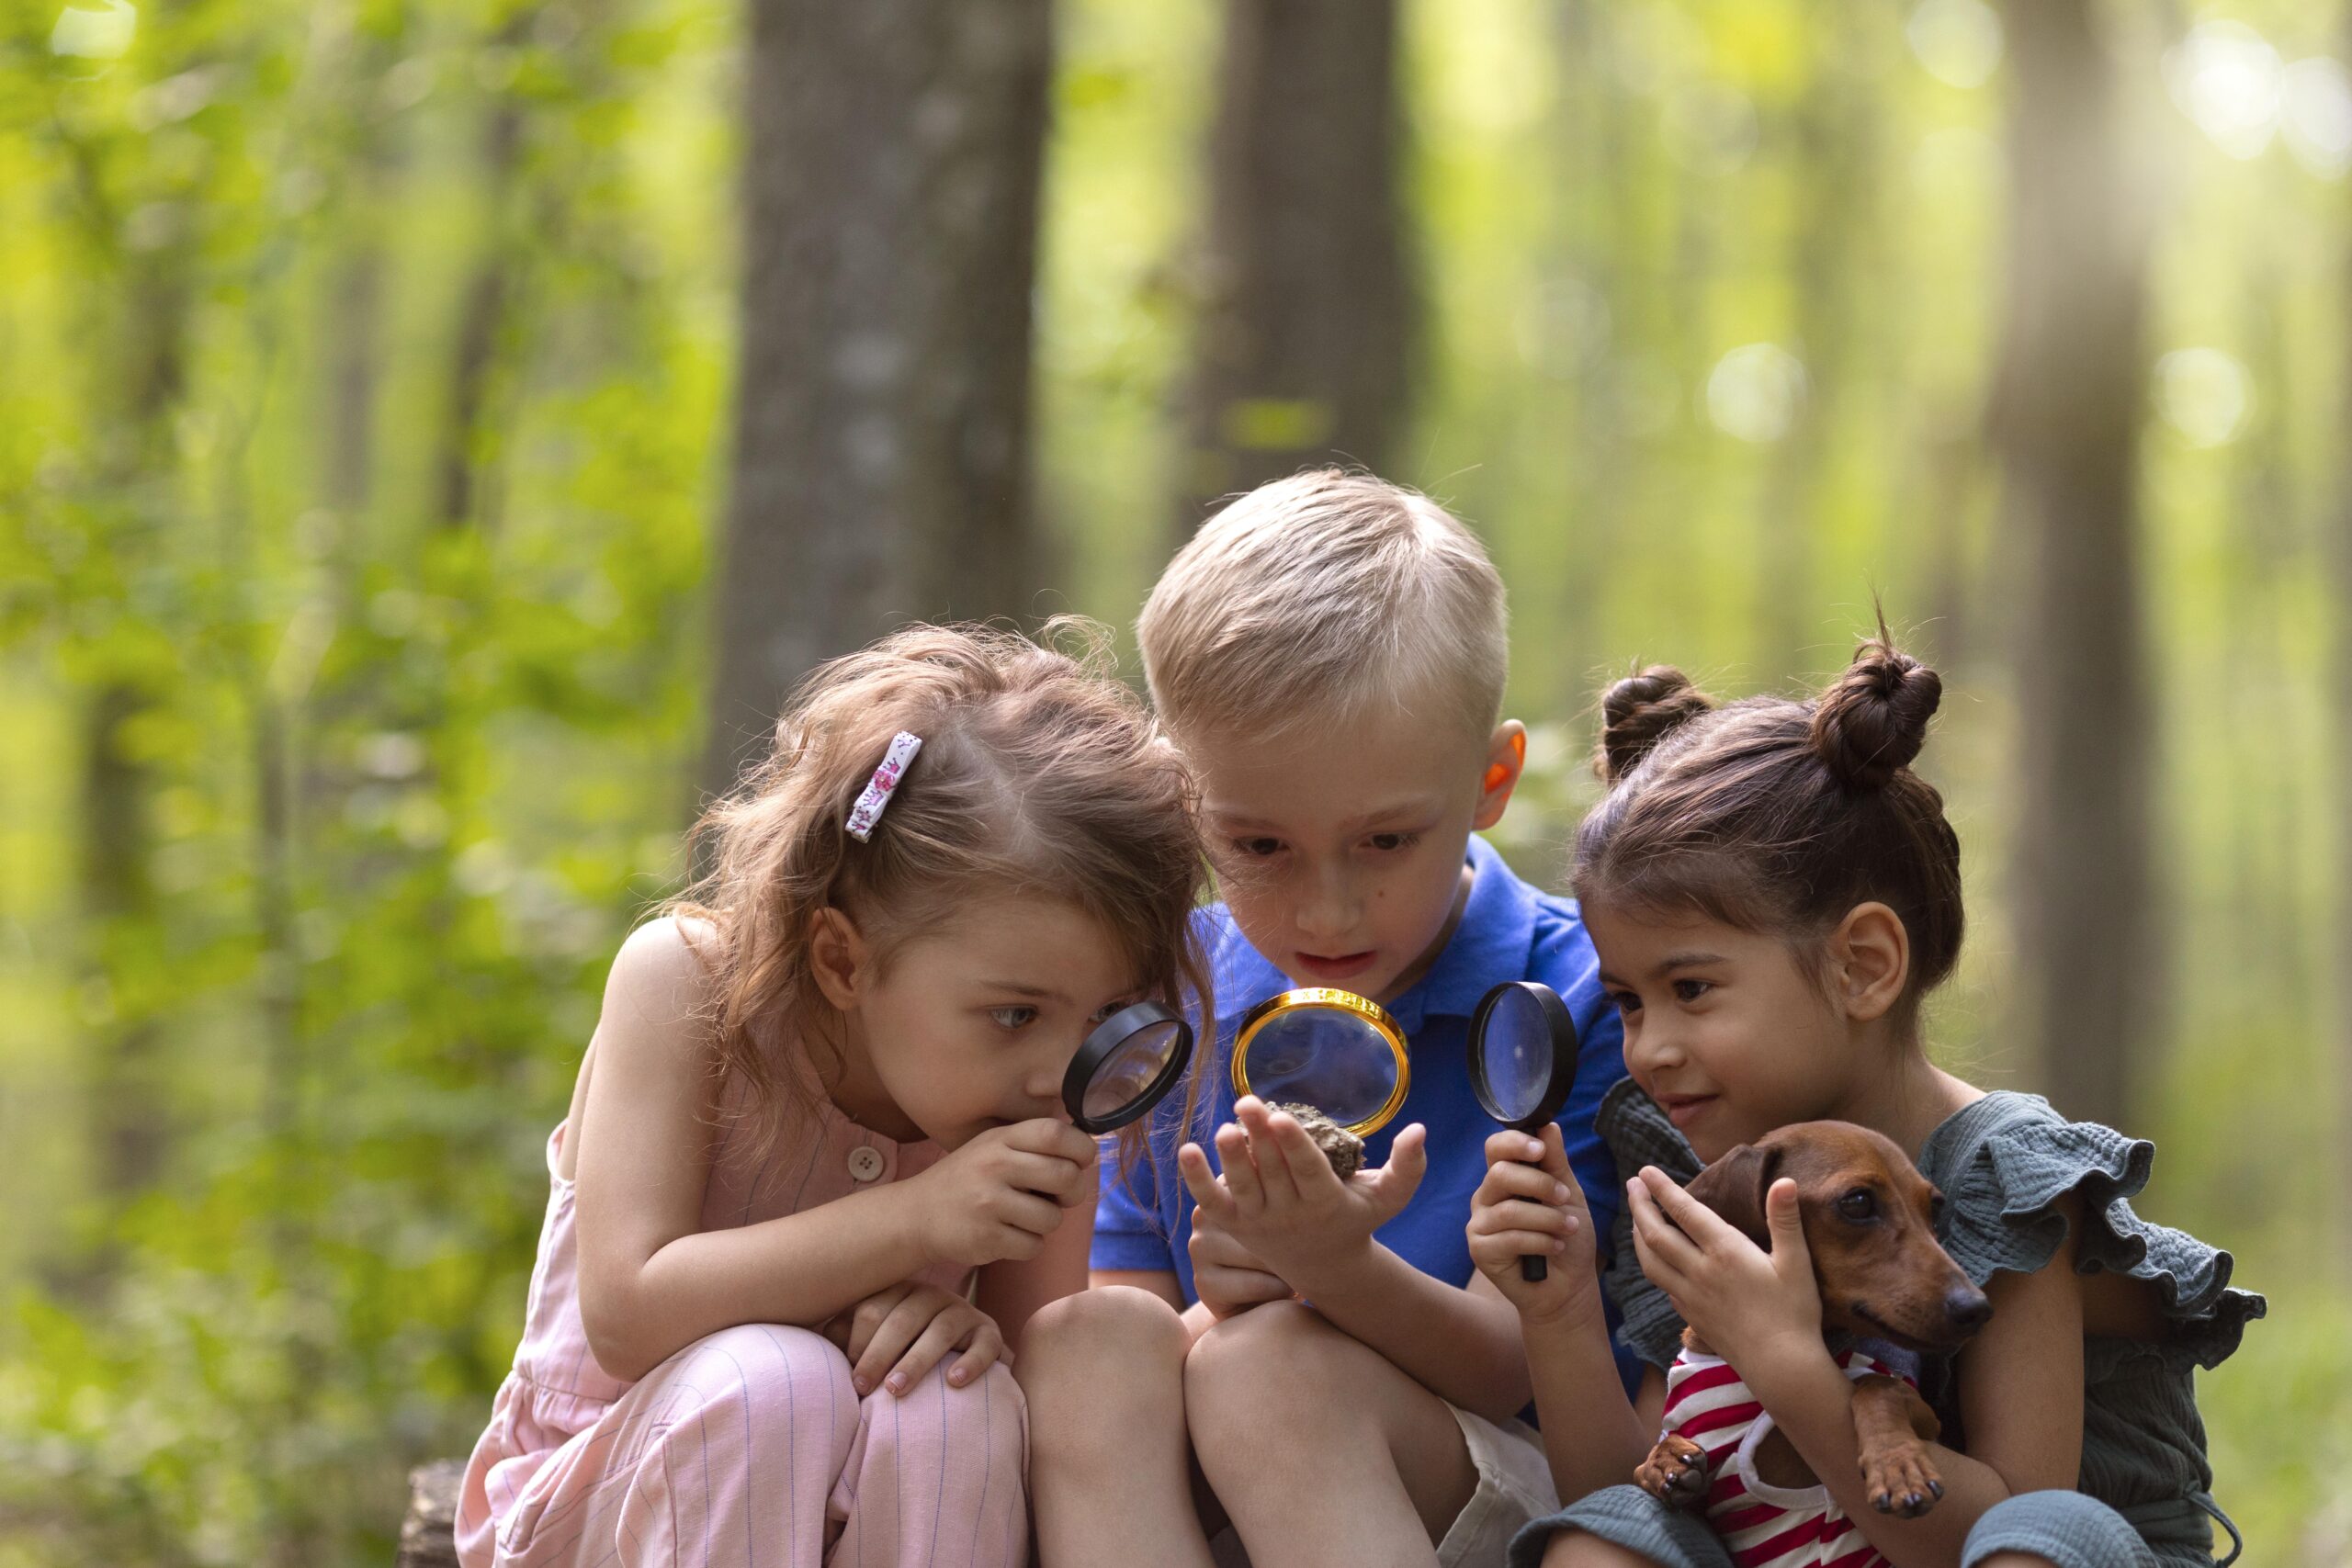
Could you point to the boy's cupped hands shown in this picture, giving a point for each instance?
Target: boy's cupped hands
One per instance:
(1278, 1213)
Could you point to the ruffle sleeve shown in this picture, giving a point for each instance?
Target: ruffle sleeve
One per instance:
(1639, 1133)
(2004, 1162)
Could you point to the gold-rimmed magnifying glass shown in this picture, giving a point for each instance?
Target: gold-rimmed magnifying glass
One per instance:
(1341, 1053)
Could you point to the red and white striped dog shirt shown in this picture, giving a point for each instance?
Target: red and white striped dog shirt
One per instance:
(1763, 1525)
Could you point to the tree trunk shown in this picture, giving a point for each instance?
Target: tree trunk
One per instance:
(1835, 132)
(1305, 329)
(881, 467)
(484, 309)
(131, 1126)
(2340, 563)
(2065, 421)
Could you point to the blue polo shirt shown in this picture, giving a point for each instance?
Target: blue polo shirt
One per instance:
(1508, 931)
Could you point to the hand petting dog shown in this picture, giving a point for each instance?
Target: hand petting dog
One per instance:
(1819, 1227)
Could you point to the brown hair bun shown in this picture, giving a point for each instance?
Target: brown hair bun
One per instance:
(1871, 722)
(1640, 710)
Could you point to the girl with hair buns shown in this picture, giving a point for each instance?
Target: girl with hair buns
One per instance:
(817, 1176)
(1773, 892)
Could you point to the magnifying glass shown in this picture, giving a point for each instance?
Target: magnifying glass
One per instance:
(1341, 1053)
(1127, 1065)
(1522, 1064)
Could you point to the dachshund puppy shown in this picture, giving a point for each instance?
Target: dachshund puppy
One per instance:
(1868, 1220)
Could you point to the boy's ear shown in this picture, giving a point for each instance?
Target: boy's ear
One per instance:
(1869, 956)
(1506, 760)
(836, 956)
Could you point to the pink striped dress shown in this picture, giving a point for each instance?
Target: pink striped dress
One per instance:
(1762, 1525)
(751, 1446)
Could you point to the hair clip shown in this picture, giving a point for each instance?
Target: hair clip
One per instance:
(868, 810)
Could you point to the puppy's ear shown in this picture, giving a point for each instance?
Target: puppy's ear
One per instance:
(1734, 1186)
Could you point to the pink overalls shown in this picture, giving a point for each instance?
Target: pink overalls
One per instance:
(748, 1447)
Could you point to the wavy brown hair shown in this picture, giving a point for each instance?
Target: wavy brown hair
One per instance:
(1040, 775)
(1777, 815)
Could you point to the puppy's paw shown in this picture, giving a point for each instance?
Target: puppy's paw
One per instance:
(1899, 1479)
(1674, 1473)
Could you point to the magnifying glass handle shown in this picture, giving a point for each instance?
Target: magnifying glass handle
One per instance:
(1533, 1269)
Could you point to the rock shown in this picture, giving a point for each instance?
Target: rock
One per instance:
(429, 1536)
(1341, 1148)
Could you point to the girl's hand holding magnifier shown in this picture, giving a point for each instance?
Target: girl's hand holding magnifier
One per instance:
(1530, 1206)
(1003, 1194)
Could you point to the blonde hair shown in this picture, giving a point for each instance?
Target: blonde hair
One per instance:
(1039, 776)
(1318, 597)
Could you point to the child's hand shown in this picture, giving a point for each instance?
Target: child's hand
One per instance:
(1280, 1200)
(1226, 1275)
(1530, 1205)
(894, 1337)
(1003, 1194)
(1749, 1305)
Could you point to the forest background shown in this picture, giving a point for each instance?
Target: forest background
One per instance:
(431, 435)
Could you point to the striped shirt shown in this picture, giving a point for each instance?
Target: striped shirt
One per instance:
(1762, 1526)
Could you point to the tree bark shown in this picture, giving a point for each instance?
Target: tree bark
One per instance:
(881, 468)
(2339, 562)
(483, 316)
(1835, 140)
(1307, 324)
(2065, 421)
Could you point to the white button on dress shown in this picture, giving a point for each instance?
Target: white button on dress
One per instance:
(866, 1163)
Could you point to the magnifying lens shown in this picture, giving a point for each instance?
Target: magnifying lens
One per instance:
(1126, 1066)
(1522, 1064)
(1333, 1050)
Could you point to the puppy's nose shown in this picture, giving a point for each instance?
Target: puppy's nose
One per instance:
(1966, 1307)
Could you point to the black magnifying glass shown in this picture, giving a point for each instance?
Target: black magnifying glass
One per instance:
(1127, 1065)
(1522, 1064)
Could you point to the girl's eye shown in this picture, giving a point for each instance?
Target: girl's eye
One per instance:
(1013, 1017)
(1627, 1003)
(1860, 1204)
(1390, 844)
(1691, 990)
(1258, 848)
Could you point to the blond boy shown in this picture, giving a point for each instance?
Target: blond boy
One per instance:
(1330, 652)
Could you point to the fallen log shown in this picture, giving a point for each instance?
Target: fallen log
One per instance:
(428, 1535)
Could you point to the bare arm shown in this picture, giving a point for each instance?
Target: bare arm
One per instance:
(1012, 1291)
(652, 1282)
(1530, 1205)
(1593, 1436)
(1462, 1345)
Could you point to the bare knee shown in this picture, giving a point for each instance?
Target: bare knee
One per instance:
(1102, 1361)
(1097, 1334)
(1574, 1549)
(1275, 1364)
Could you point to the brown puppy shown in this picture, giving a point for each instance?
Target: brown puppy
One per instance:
(1869, 1226)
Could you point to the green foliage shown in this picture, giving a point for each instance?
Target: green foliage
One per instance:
(363, 377)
